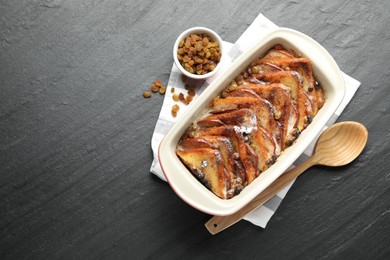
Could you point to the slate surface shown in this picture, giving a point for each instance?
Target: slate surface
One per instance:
(75, 134)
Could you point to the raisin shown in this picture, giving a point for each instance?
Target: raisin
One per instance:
(175, 97)
(147, 94)
(162, 90)
(189, 98)
(174, 114)
(175, 108)
(157, 82)
(191, 92)
(154, 88)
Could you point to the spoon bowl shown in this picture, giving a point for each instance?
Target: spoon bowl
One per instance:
(338, 145)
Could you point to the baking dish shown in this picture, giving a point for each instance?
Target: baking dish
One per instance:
(195, 193)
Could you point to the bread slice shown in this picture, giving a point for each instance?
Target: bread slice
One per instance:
(279, 52)
(264, 114)
(245, 159)
(258, 140)
(207, 165)
(279, 96)
(240, 117)
(224, 145)
(299, 97)
(304, 68)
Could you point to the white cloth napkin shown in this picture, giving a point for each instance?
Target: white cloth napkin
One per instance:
(260, 27)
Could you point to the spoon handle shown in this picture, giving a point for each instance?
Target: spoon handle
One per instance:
(218, 223)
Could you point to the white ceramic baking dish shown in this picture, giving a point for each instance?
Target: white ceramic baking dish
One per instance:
(195, 193)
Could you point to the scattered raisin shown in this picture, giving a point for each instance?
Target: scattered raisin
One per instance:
(175, 97)
(158, 83)
(191, 92)
(175, 107)
(162, 90)
(154, 88)
(147, 94)
(189, 98)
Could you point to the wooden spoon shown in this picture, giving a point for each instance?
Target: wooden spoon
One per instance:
(339, 145)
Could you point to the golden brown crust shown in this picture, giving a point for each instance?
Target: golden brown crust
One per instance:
(207, 165)
(279, 97)
(299, 97)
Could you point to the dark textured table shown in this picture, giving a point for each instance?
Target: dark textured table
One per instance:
(75, 134)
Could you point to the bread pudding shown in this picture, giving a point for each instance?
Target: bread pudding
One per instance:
(245, 129)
